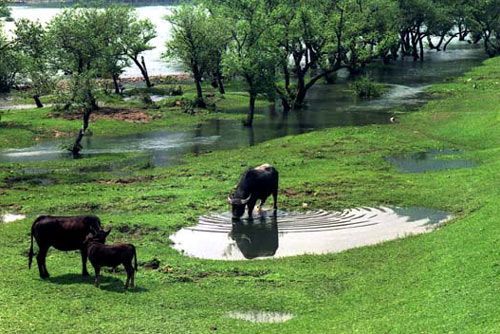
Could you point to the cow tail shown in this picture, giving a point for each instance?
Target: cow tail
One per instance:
(30, 255)
(135, 260)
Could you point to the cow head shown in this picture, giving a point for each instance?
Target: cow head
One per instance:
(98, 237)
(238, 205)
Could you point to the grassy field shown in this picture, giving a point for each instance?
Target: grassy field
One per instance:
(447, 281)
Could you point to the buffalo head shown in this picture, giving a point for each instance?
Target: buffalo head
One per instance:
(238, 205)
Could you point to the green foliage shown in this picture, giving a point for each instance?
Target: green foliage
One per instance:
(33, 46)
(4, 10)
(199, 41)
(366, 88)
(484, 19)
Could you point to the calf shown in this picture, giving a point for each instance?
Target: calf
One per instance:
(63, 233)
(101, 255)
(255, 184)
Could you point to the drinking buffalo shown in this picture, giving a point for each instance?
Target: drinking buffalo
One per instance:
(101, 255)
(255, 184)
(63, 233)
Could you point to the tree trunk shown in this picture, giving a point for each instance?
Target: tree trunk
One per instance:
(421, 46)
(77, 146)
(222, 90)
(301, 91)
(115, 83)
(142, 67)
(37, 101)
(251, 110)
(91, 105)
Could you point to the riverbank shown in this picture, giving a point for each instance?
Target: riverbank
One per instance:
(445, 281)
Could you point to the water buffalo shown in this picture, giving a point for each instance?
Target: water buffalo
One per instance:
(101, 255)
(255, 184)
(63, 233)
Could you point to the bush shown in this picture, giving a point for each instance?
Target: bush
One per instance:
(366, 88)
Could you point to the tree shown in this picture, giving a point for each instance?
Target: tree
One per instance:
(484, 21)
(32, 45)
(4, 10)
(136, 40)
(199, 41)
(252, 54)
(9, 62)
(78, 52)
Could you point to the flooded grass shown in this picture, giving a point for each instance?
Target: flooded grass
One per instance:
(433, 160)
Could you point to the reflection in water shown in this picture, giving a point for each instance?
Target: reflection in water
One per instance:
(429, 161)
(293, 233)
(257, 238)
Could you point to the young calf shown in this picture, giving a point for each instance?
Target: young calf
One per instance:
(101, 255)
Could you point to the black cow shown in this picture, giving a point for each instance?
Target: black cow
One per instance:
(255, 184)
(63, 233)
(101, 255)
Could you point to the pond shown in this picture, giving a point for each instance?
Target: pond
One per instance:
(219, 237)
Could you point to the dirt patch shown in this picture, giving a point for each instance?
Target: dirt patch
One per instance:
(151, 265)
(131, 115)
(135, 230)
(128, 180)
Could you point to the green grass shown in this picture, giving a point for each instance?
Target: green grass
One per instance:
(443, 282)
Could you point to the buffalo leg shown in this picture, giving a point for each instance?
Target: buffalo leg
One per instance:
(261, 205)
(97, 275)
(250, 210)
(275, 201)
(130, 275)
(83, 251)
(40, 259)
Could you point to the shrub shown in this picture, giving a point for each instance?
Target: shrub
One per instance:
(366, 88)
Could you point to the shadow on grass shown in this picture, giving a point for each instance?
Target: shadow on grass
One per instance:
(108, 283)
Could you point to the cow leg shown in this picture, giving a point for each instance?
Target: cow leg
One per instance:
(250, 207)
(40, 259)
(261, 205)
(275, 201)
(83, 252)
(130, 274)
(97, 275)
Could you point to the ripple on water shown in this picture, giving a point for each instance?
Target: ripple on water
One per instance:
(293, 233)
(261, 316)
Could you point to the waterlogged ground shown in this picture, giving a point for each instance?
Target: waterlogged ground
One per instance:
(443, 281)
(328, 106)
